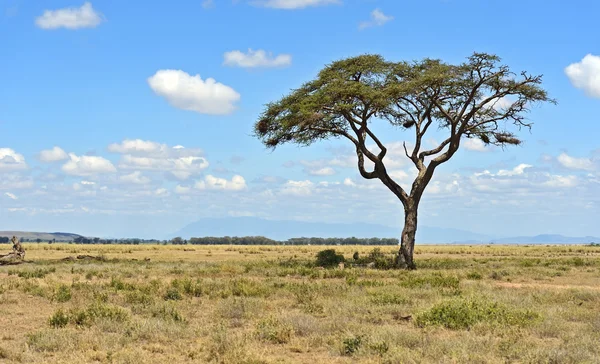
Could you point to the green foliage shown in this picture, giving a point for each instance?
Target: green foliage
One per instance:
(329, 258)
(474, 275)
(273, 330)
(464, 313)
(62, 293)
(389, 299)
(59, 319)
(36, 273)
(168, 313)
(352, 344)
(172, 294)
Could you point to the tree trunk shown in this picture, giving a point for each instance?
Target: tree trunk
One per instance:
(407, 240)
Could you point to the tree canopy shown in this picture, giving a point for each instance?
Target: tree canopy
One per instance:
(480, 98)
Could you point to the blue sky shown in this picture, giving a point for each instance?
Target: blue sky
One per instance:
(95, 139)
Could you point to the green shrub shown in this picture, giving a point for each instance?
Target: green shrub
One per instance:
(172, 294)
(167, 313)
(474, 275)
(463, 314)
(275, 331)
(59, 319)
(62, 294)
(329, 258)
(36, 273)
(351, 345)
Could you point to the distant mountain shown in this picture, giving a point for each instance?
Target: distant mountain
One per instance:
(43, 236)
(286, 229)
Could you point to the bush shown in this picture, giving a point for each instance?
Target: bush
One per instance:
(62, 294)
(59, 319)
(172, 294)
(351, 345)
(463, 314)
(329, 258)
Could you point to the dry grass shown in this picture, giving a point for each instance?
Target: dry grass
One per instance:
(268, 304)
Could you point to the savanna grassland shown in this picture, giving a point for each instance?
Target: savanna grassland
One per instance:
(270, 304)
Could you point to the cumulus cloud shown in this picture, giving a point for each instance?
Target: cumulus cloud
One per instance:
(210, 182)
(55, 154)
(520, 169)
(293, 4)
(325, 171)
(181, 168)
(297, 188)
(87, 165)
(11, 196)
(584, 164)
(148, 155)
(585, 75)
(255, 59)
(11, 160)
(187, 92)
(378, 18)
(70, 18)
(135, 178)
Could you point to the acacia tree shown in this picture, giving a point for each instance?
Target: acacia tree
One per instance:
(480, 98)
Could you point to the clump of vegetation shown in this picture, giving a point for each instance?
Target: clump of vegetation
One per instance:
(172, 294)
(274, 330)
(329, 258)
(351, 345)
(168, 313)
(463, 314)
(59, 319)
(62, 293)
(36, 273)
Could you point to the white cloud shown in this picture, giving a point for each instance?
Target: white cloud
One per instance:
(70, 18)
(87, 165)
(135, 178)
(585, 75)
(520, 169)
(161, 192)
(567, 161)
(206, 4)
(258, 58)
(325, 171)
(134, 146)
(148, 155)
(293, 4)
(13, 181)
(11, 196)
(53, 155)
(298, 188)
(182, 190)
(210, 182)
(378, 18)
(181, 168)
(348, 182)
(561, 181)
(11, 160)
(193, 93)
(475, 144)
